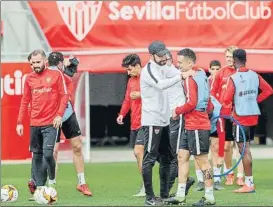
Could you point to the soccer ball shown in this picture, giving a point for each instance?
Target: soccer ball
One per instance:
(45, 195)
(9, 193)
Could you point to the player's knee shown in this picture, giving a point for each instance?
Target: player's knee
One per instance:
(181, 158)
(77, 149)
(76, 144)
(138, 152)
(48, 154)
(201, 159)
(228, 148)
(215, 148)
(37, 156)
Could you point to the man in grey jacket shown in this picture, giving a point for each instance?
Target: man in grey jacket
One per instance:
(155, 119)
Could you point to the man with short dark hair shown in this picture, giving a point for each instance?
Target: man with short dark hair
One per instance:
(195, 138)
(176, 97)
(46, 93)
(155, 120)
(70, 126)
(243, 92)
(132, 101)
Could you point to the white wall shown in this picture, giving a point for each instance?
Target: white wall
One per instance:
(21, 34)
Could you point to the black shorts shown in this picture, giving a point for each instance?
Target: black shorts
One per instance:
(196, 141)
(136, 137)
(70, 128)
(238, 134)
(176, 130)
(228, 130)
(42, 138)
(157, 142)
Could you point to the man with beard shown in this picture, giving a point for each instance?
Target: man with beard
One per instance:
(155, 120)
(47, 95)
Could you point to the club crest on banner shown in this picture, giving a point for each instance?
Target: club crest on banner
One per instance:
(79, 16)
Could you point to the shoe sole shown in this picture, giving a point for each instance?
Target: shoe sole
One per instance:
(253, 191)
(84, 193)
(174, 203)
(206, 204)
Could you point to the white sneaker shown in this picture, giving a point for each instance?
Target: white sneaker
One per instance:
(141, 192)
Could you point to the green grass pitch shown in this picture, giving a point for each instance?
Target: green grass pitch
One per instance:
(113, 184)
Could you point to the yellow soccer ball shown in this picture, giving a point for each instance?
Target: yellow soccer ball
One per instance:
(9, 193)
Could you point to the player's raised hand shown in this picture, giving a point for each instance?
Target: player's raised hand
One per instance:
(57, 122)
(20, 129)
(120, 120)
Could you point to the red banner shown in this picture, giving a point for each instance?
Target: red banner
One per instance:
(102, 32)
(13, 77)
(134, 24)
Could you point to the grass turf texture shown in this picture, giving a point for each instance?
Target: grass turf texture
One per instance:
(113, 184)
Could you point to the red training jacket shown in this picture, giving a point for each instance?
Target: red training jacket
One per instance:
(135, 105)
(47, 95)
(219, 83)
(194, 119)
(266, 91)
(218, 87)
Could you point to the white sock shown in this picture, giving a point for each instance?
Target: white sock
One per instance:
(181, 190)
(209, 193)
(50, 182)
(249, 181)
(199, 175)
(240, 175)
(216, 171)
(81, 178)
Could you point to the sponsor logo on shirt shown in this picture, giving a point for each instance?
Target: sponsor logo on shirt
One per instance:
(42, 90)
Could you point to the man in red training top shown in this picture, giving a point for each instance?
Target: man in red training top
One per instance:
(195, 139)
(224, 126)
(132, 101)
(47, 95)
(242, 91)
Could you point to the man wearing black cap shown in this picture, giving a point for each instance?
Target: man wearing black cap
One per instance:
(155, 119)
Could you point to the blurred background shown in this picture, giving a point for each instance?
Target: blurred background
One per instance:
(101, 33)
